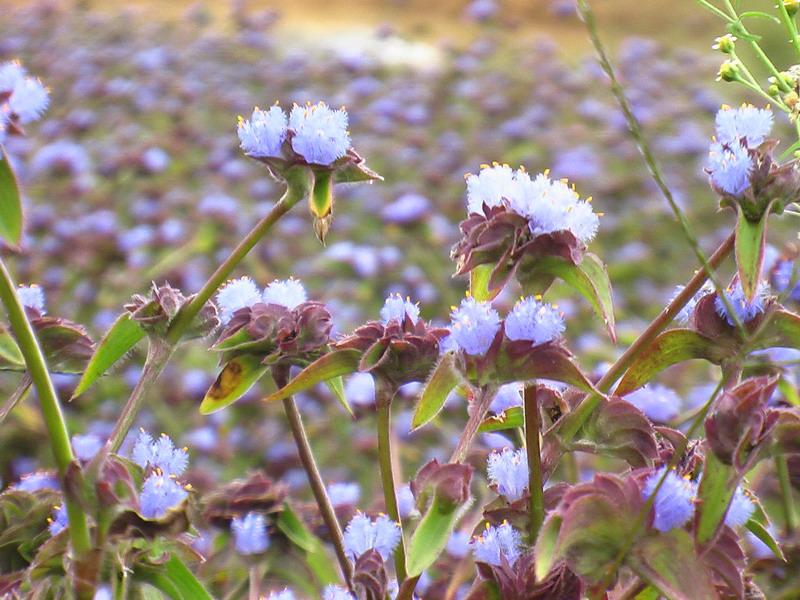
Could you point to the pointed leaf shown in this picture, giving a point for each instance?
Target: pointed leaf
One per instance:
(547, 546)
(479, 283)
(669, 348)
(431, 535)
(715, 492)
(548, 361)
(10, 203)
(333, 364)
(782, 330)
(298, 533)
(174, 579)
(763, 534)
(508, 419)
(441, 383)
(336, 386)
(120, 339)
(235, 379)
(10, 353)
(750, 243)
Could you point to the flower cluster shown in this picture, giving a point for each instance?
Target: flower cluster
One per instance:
(243, 293)
(23, 99)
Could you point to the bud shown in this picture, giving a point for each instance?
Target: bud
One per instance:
(725, 44)
(791, 6)
(256, 493)
(729, 71)
(449, 484)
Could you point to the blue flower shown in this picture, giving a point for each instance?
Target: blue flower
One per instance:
(235, 295)
(320, 134)
(344, 494)
(362, 534)
(747, 124)
(288, 293)
(534, 321)
(782, 276)
(746, 310)
(491, 186)
(508, 396)
(336, 592)
(474, 326)
(458, 544)
(396, 309)
(28, 97)
(685, 315)
(729, 166)
(285, 594)
(263, 135)
(497, 543)
(660, 403)
(740, 510)
(508, 470)
(32, 296)
(674, 503)
(11, 73)
(159, 454)
(38, 480)
(250, 533)
(160, 492)
(58, 521)
(86, 446)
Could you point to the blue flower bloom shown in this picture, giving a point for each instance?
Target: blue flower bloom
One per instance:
(497, 543)
(159, 454)
(285, 594)
(508, 470)
(491, 186)
(320, 134)
(396, 308)
(745, 310)
(235, 295)
(740, 510)
(29, 98)
(474, 326)
(336, 592)
(250, 533)
(32, 296)
(458, 544)
(86, 446)
(660, 403)
(263, 135)
(289, 293)
(534, 321)
(508, 396)
(344, 494)
(747, 124)
(58, 521)
(729, 166)
(674, 503)
(160, 492)
(362, 534)
(39, 480)
(11, 73)
(782, 277)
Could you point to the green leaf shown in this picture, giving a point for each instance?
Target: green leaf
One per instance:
(332, 365)
(10, 203)
(788, 152)
(547, 546)
(174, 579)
(715, 492)
(750, 243)
(670, 562)
(757, 14)
(236, 377)
(669, 348)
(789, 391)
(431, 535)
(124, 334)
(782, 330)
(589, 278)
(10, 353)
(761, 532)
(336, 386)
(479, 283)
(508, 419)
(316, 557)
(442, 381)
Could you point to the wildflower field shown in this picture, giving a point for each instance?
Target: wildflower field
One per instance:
(375, 308)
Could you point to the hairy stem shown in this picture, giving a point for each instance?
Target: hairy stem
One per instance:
(532, 426)
(57, 432)
(789, 510)
(479, 407)
(19, 394)
(383, 399)
(315, 479)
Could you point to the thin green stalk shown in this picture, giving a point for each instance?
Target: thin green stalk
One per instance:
(790, 24)
(715, 10)
(299, 184)
(532, 426)
(315, 480)
(789, 510)
(383, 399)
(58, 434)
(480, 406)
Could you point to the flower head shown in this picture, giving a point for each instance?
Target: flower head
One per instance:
(86, 446)
(740, 510)
(159, 454)
(32, 296)
(658, 402)
(496, 543)
(508, 470)
(474, 326)
(363, 533)
(160, 492)
(320, 134)
(288, 293)
(491, 186)
(396, 308)
(28, 100)
(250, 533)
(534, 321)
(263, 135)
(748, 125)
(508, 396)
(344, 494)
(336, 592)
(11, 73)
(745, 310)
(729, 166)
(674, 503)
(235, 295)
(58, 521)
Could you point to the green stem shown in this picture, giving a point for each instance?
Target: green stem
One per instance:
(48, 400)
(479, 408)
(315, 480)
(383, 399)
(715, 10)
(532, 426)
(299, 182)
(789, 510)
(790, 25)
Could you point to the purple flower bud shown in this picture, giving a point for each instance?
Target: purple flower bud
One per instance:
(508, 471)
(674, 503)
(474, 326)
(534, 321)
(250, 533)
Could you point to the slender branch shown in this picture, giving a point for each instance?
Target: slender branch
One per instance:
(254, 592)
(19, 394)
(632, 590)
(479, 407)
(58, 434)
(790, 24)
(315, 479)
(383, 399)
(532, 426)
(789, 510)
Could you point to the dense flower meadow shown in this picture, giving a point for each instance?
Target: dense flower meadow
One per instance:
(289, 321)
